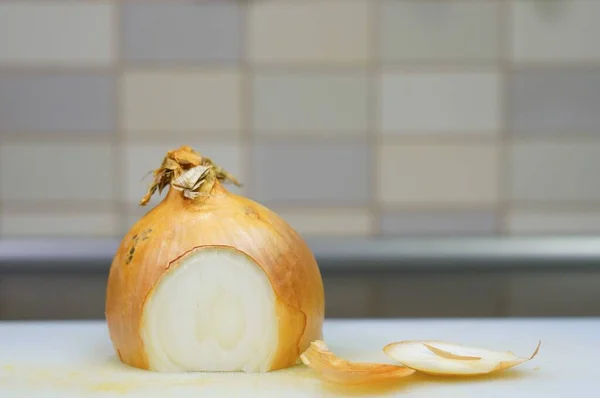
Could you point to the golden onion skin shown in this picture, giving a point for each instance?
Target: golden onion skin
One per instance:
(178, 226)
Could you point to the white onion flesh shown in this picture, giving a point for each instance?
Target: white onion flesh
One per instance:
(215, 311)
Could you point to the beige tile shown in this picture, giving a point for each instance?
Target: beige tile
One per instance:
(553, 222)
(308, 32)
(417, 30)
(52, 297)
(289, 103)
(328, 222)
(60, 33)
(566, 293)
(140, 159)
(170, 101)
(439, 295)
(555, 30)
(554, 171)
(439, 103)
(307, 174)
(438, 174)
(438, 222)
(53, 171)
(55, 225)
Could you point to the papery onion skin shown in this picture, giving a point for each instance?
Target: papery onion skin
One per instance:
(178, 226)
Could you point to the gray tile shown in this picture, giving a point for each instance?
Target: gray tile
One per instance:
(78, 103)
(439, 30)
(52, 297)
(440, 295)
(555, 102)
(299, 172)
(554, 294)
(438, 223)
(208, 31)
(554, 171)
(57, 171)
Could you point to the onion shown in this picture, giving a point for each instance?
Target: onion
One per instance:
(211, 281)
(443, 358)
(337, 370)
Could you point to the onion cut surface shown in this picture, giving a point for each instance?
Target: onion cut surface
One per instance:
(215, 310)
(211, 281)
(333, 369)
(444, 358)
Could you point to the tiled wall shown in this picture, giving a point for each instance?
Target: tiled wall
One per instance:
(349, 117)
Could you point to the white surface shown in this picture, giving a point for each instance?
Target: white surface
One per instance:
(75, 359)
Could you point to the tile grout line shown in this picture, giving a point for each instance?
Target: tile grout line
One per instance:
(332, 136)
(373, 73)
(102, 207)
(60, 207)
(503, 172)
(420, 67)
(119, 178)
(246, 137)
(26, 138)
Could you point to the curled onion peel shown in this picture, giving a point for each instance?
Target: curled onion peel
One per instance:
(211, 281)
(444, 358)
(331, 368)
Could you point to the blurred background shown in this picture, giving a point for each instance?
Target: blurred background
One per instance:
(442, 157)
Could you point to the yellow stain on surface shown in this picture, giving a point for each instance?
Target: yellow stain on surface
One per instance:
(117, 387)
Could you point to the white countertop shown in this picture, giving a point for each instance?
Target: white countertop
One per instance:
(76, 359)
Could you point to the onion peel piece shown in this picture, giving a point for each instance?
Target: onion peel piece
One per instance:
(331, 368)
(450, 359)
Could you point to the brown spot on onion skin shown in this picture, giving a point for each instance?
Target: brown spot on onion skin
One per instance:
(252, 213)
(135, 239)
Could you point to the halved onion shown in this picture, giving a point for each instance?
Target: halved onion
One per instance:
(211, 281)
(444, 358)
(331, 368)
